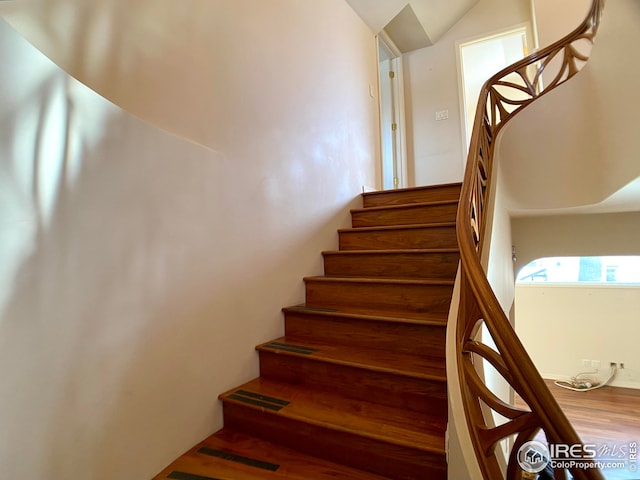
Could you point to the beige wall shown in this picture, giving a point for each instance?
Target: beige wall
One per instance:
(589, 128)
(555, 19)
(563, 324)
(500, 271)
(140, 270)
(435, 148)
(189, 67)
(575, 235)
(499, 267)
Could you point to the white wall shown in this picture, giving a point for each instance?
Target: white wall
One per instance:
(589, 128)
(140, 270)
(431, 85)
(561, 325)
(499, 268)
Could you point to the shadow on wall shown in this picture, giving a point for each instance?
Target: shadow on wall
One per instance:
(135, 283)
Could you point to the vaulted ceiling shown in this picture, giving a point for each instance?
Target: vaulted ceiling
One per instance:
(411, 24)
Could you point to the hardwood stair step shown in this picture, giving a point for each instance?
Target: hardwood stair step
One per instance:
(395, 443)
(421, 236)
(417, 213)
(236, 456)
(403, 196)
(402, 298)
(400, 380)
(420, 337)
(412, 263)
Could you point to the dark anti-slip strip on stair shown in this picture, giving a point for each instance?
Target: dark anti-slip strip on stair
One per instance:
(258, 400)
(315, 309)
(287, 347)
(264, 398)
(189, 476)
(232, 457)
(256, 403)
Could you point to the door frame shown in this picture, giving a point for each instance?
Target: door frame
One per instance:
(524, 28)
(398, 112)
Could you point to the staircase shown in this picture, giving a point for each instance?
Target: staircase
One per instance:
(356, 389)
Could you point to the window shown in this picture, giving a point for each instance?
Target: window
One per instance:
(592, 270)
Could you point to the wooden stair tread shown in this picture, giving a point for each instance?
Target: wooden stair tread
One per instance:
(404, 196)
(404, 251)
(436, 319)
(396, 363)
(380, 281)
(235, 456)
(397, 227)
(391, 425)
(404, 206)
(412, 189)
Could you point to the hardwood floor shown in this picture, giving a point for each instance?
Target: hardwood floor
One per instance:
(608, 414)
(608, 417)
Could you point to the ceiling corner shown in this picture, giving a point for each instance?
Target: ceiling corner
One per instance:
(411, 24)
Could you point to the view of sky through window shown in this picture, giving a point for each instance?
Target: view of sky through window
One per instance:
(607, 270)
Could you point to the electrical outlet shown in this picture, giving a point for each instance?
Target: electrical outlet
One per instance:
(595, 364)
(586, 363)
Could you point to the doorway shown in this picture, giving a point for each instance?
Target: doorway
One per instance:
(391, 114)
(480, 59)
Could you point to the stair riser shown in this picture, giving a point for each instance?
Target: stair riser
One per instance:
(391, 461)
(405, 215)
(395, 300)
(392, 265)
(359, 384)
(400, 197)
(401, 337)
(403, 238)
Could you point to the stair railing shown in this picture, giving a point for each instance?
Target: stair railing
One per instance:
(502, 96)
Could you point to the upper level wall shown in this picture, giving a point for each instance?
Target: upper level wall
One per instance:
(435, 148)
(192, 67)
(578, 145)
(553, 20)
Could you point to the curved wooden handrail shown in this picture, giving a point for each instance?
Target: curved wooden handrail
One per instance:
(502, 96)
